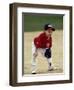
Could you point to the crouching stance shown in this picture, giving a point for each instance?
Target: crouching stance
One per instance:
(43, 44)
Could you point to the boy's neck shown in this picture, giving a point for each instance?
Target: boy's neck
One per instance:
(47, 34)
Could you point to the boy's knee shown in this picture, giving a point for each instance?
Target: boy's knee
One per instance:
(35, 54)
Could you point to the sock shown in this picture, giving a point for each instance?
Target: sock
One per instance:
(49, 62)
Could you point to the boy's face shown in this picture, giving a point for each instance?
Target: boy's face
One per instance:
(49, 31)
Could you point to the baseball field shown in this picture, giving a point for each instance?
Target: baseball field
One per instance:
(42, 65)
(33, 25)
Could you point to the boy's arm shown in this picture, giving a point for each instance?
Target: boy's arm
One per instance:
(49, 44)
(48, 49)
(37, 41)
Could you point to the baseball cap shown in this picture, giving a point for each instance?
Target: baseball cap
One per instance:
(49, 26)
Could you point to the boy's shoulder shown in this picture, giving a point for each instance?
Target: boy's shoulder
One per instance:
(42, 34)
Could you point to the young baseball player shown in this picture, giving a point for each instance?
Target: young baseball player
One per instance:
(43, 43)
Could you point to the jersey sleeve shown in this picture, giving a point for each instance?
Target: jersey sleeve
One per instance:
(37, 41)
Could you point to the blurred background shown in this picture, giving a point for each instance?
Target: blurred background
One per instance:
(36, 22)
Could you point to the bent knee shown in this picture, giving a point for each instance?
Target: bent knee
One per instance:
(35, 54)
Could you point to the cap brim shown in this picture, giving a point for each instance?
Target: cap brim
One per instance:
(53, 29)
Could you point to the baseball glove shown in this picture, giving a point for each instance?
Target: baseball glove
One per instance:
(48, 53)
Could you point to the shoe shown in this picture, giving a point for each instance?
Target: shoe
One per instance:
(51, 69)
(33, 72)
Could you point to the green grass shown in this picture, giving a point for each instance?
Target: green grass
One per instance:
(35, 22)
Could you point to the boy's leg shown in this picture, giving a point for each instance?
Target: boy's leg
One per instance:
(34, 55)
(34, 63)
(49, 59)
(50, 65)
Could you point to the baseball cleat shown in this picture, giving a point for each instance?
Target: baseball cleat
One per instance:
(52, 68)
(33, 72)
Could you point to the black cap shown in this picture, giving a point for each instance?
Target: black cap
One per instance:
(49, 26)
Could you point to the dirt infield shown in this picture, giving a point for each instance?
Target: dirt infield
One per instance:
(42, 65)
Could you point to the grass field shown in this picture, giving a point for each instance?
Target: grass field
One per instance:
(42, 66)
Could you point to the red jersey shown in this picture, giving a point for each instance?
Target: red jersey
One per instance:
(43, 41)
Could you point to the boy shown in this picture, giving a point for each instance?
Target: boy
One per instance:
(43, 44)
